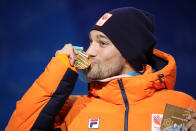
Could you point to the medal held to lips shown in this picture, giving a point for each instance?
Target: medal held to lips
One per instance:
(82, 60)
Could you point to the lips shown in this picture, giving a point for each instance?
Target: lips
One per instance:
(93, 63)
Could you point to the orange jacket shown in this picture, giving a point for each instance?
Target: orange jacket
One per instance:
(130, 103)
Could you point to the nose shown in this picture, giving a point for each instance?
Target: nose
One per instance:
(92, 50)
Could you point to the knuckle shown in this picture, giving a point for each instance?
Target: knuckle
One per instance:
(67, 49)
(69, 44)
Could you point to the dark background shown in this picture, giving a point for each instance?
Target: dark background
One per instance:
(32, 30)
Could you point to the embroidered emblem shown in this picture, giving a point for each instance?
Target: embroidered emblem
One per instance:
(156, 122)
(93, 123)
(103, 19)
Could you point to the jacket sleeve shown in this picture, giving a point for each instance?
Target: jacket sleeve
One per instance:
(44, 99)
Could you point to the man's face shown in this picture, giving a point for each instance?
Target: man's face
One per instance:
(106, 60)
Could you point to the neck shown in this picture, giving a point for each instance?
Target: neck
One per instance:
(127, 68)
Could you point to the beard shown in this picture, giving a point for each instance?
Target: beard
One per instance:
(101, 70)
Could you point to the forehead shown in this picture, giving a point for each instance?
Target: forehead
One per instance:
(98, 35)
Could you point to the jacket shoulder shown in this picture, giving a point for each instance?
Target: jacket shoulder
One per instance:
(179, 94)
(177, 98)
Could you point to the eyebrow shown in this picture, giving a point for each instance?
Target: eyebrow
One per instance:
(100, 36)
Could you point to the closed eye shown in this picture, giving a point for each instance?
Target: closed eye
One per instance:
(103, 43)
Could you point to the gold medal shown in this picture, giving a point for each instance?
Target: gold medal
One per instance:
(82, 60)
(175, 118)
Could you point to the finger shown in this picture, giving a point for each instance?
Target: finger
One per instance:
(72, 56)
(75, 51)
(188, 125)
(68, 45)
(71, 60)
(70, 51)
(193, 127)
(66, 48)
(191, 123)
(192, 116)
(61, 52)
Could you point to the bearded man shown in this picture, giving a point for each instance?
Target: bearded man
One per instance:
(130, 82)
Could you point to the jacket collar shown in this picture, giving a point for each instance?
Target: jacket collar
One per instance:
(140, 86)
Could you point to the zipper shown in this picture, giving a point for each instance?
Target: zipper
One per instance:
(126, 103)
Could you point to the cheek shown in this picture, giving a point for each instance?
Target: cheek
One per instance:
(108, 55)
(106, 58)
(110, 58)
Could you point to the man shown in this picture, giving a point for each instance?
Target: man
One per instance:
(130, 82)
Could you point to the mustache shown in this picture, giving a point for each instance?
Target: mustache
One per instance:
(92, 59)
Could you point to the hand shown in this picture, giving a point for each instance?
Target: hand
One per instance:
(70, 51)
(191, 125)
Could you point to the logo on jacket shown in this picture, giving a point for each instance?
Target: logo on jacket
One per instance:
(93, 123)
(103, 19)
(156, 122)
